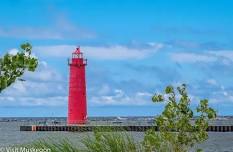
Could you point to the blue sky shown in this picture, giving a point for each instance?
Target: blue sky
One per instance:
(134, 49)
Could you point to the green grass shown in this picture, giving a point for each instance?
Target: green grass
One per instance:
(63, 145)
(98, 142)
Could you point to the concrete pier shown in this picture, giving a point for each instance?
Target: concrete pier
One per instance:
(86, 128)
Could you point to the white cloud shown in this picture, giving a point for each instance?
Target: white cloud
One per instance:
(60, 28)
(144, 94)
(55, 50)
(225, 93)
(45, 33)
(99, 52)
(119, 97)
(34, 101)
(224, 56)
(221, 97)
(220, 94)
(13, 51)
(105, 89)
(212, 81)
(44, 87)
(156, 45)
(192, 57)
(223, 53)
(43, 73)
(118, 52)
(30, 33)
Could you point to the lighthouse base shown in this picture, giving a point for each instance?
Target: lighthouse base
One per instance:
(77, 122)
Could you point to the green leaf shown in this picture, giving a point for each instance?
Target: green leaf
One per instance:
(169, 89)
(13, 66)
(157, 98)
(177, 132)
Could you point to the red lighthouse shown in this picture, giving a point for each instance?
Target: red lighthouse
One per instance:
(77, 106)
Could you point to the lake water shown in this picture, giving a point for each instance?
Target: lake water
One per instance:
(10, 134)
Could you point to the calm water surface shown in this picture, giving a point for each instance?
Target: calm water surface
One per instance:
(10, 134)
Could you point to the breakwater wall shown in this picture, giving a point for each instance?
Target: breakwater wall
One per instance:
(85, 128)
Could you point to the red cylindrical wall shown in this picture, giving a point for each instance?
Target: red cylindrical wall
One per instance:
(77, 107)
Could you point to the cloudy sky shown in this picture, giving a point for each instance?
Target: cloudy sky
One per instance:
(134, 49)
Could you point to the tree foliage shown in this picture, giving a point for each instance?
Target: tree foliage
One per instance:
(177, 131)
(13, 66)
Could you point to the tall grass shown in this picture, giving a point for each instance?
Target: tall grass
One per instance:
(63, 145)
(98, 142)
(111, 142)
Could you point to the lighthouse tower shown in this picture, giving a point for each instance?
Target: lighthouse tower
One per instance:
(77, 106)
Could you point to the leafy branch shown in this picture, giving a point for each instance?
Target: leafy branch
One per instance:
(176, 130)
(14, 66)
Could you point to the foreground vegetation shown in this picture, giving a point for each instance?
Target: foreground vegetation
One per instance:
(13, 66)
(176, 131)
(99, 142)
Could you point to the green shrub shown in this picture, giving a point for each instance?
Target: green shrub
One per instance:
(177, 133)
